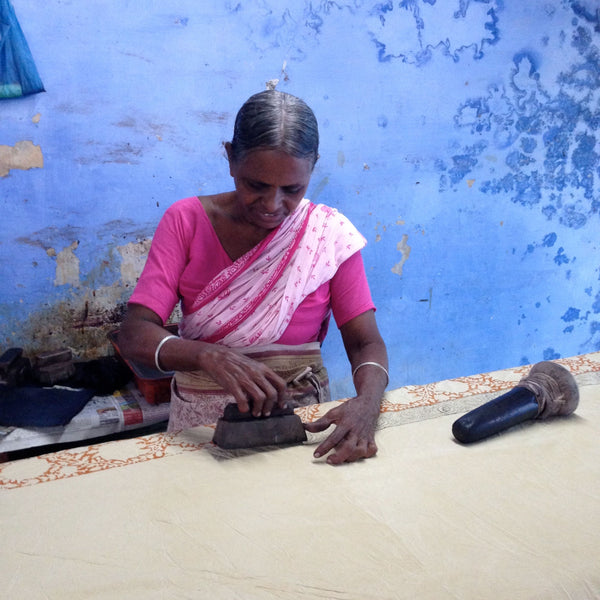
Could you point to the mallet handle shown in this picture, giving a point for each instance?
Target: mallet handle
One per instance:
(516, 406)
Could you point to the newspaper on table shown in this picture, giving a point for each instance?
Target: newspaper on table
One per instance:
(125, 410)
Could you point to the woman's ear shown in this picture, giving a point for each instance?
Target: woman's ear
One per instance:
(229, 151)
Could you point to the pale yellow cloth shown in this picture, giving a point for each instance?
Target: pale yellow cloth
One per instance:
(514, 517)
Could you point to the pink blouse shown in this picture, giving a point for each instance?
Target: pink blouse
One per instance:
(186, 254)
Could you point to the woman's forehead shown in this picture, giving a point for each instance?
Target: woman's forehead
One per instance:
(270, 165)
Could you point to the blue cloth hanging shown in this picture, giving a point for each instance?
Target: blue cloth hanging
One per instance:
(18, 74)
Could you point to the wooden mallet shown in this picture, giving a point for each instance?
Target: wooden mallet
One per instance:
(548, 390)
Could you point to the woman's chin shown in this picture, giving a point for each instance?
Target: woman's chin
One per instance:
(268, 220)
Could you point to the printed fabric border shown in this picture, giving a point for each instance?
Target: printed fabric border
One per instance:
(400, 406)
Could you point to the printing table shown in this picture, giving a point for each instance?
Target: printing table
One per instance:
(171, 516)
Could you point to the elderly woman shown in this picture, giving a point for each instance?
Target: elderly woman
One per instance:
(258, 271)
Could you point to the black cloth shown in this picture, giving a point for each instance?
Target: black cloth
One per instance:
(103, 375)
(30, 406)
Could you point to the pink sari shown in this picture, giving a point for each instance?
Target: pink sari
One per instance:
(252, 302)
(248, 306)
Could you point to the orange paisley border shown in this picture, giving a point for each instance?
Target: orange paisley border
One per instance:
(95, 458)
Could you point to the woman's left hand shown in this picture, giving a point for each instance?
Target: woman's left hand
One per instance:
(354, 434)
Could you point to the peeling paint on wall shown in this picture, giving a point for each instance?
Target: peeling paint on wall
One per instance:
(517, 144)
(83, 320)
(384, 228)
(67, 266)
(81, 324)
(23, 155)
(133, 259)
(404, 249)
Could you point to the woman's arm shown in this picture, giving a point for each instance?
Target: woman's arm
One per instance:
(252, 384)
(355, 420)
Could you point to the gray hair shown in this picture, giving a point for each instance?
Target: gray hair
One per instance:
(276, 121)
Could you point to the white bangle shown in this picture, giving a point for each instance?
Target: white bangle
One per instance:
(160, 345)
(375, 364)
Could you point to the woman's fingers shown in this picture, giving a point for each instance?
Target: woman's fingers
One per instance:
(263, 389)
(352, 439)
(253, 385)
(321, 424)
(331, 442)
(352, 450)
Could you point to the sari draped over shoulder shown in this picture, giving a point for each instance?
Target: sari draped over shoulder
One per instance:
(251, 302)
(248, 306)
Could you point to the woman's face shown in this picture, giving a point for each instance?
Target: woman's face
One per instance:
(269, 186)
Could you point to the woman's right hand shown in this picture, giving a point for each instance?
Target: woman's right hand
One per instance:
(253, 385)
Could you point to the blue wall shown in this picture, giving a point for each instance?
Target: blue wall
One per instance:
(459, 136)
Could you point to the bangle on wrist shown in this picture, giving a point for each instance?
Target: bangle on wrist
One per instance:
(158, 348)
(375, 364)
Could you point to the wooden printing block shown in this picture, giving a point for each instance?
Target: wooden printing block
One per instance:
(15, 369)
(55, 366)
(241, 430)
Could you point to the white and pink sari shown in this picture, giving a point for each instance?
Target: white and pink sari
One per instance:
(249, 305)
